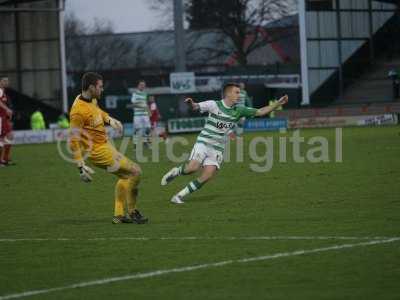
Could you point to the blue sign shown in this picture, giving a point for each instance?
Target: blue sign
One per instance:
(128, 129)
(265, 124)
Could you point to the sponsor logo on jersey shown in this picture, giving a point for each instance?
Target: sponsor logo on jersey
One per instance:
(222, 125)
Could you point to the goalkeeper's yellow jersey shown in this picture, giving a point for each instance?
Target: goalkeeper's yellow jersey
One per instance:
(87, 126)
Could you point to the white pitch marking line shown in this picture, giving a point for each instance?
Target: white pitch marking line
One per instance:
(232, 238)
(192, 268)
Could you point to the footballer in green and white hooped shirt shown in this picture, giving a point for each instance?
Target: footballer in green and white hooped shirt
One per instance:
(141, 119)
(244, 100)
(208, 151)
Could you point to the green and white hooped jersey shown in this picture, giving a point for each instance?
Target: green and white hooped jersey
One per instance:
(139, 97)
(242, 98)
(220, 121)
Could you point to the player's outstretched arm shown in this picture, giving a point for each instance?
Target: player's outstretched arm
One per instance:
(267, 109)
(194, 105)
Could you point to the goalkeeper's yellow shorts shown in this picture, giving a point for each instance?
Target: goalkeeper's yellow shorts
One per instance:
(105, 156)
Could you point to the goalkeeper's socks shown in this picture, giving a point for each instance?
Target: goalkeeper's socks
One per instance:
(190, 188)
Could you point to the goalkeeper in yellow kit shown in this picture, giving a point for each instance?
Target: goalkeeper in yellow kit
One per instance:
(89, 139)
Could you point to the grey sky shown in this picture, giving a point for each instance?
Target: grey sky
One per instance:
(125, 15)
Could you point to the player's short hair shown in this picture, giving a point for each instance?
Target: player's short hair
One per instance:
(90, 78)
(228, 86)
(141, 80)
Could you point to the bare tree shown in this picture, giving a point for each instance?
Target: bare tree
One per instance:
(242, 23)
(94, 47)
(165, 12)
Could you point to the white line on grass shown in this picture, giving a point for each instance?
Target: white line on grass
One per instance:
(192, 268)
(185, 238)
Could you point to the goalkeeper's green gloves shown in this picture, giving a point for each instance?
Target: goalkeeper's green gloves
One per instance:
(85, 172)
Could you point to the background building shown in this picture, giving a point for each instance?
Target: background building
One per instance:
(32, 55)
(348, 48)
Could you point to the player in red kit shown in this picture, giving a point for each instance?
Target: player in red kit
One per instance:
(154, 118)
(5, 123)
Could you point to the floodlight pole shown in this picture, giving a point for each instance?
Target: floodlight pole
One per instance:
(339, 49)
(180, 55)
(63, 64)
(303, 53)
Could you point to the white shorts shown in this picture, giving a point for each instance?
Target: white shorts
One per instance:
(140, 122)
(206, 155)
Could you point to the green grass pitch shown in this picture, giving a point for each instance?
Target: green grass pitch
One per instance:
(42, 198)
